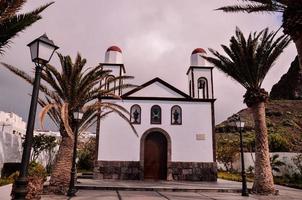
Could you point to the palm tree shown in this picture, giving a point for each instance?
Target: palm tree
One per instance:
(12, 23)
(292, 16)
(247, 62)
(66, 91)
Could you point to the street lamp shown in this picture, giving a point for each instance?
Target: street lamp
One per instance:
(41, 50)
(240, 126)
(77, 115)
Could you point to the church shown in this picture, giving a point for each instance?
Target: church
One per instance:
(175, 129)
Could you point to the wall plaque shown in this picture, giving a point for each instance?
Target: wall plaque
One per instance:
(200, 136)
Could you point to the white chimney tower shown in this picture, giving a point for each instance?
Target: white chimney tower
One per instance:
(196, 59)
(113, 55)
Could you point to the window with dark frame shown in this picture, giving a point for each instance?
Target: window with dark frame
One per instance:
(110, 83)
(202, 86)
(155, 114)
(135, 114)
(176, 115)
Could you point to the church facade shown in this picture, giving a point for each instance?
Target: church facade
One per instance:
(175, 130)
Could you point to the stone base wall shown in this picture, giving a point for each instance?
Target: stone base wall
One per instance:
(133, 170)
(122, 170)
(193, 171)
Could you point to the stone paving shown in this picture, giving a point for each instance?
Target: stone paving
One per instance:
(162, 190)
(285, 193)
(153, 195)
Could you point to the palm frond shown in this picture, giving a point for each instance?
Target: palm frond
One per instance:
(43, 112)
(250, 6)
(10, 8)
(11, 26)
(29, 79)
(248, 60)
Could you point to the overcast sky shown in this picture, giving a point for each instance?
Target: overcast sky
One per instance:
(156, 37)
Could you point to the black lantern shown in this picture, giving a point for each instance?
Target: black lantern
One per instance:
(240, 126)
(77, 115)
(41, 50)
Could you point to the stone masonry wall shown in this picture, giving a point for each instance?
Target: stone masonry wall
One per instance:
(123, 170)
(193, 171)
(132, 170)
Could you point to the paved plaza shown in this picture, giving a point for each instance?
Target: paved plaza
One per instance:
(173, 190)
(156, 195)
(144, 190)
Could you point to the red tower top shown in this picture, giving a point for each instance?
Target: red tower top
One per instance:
(198, 50)
(114, 48)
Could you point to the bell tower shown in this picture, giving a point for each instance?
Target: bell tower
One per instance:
(114, 63)
(200, 76)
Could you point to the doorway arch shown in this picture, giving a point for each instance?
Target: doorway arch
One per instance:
(155, 155)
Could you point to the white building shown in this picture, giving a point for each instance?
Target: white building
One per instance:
(175, 129)
(12, 129)
(12, 123)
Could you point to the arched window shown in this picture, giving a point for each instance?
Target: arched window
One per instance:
(155, 114)
(135, 114)
(176, 115)
(202, 86)
(109, 82)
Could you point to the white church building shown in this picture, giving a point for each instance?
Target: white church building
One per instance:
(176, 130)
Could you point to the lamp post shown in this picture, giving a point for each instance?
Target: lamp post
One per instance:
(77, 115)
(240, 125)
(41, 50)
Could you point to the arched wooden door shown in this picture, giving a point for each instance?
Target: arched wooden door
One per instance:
(155, 156)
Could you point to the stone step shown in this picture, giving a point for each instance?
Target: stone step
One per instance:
(168, 189)
(87, 173)
(85, 176)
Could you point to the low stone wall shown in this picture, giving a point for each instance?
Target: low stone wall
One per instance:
(249, 160)
(133, 170)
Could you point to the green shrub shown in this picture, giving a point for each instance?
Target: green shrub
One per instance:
(5, 181)
(227, 148)
(278, 143)
(36, 169)
(86, 156)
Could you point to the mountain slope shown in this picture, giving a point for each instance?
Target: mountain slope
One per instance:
(284, 122)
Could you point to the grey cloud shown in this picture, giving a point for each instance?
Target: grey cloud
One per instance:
(157, 38)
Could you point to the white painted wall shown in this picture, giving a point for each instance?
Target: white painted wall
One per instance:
(113, 57)
(157, 89)
(118, 142)
(197, 59)
(115, 69)
(10, 148)
(12, 123)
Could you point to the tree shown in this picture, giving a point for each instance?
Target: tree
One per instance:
(12, 23)
(42, 143)
(46, 143)
(292, 16)
(247, 62)
(227, 149)
(66, 91)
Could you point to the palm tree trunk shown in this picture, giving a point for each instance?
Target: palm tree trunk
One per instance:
(298, 42)
(60, 175)
(97, 132)
(263, 183)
